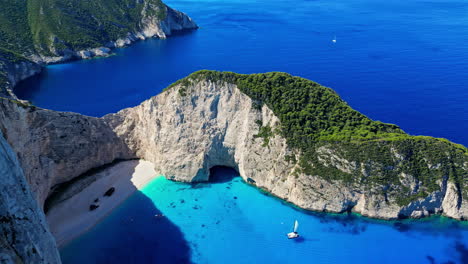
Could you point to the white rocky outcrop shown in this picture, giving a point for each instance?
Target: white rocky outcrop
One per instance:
(453, 205)
(25, 236)
(150, 26)
(187, 130)
(184, 132)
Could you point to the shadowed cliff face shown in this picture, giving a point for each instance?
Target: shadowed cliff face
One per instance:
(189, 129)
(55, 147)
(25, 236)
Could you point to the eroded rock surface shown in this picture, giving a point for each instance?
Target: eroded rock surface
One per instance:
(55, 147)
(190, 128)
(187, 130)
(25, 236)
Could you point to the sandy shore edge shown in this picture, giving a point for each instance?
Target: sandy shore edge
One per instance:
(73, 217)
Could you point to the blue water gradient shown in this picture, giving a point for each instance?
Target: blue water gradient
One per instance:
(232, 222)
(398, 61)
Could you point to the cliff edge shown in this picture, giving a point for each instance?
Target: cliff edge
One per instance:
(287, 135)
(35, 33)
(297, 140)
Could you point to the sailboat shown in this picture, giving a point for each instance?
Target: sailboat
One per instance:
(334, 40)
(294, 233)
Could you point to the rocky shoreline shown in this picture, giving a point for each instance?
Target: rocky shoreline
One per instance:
(217, 124)
(185, 136)
(185, 131)
(150, 27)
(38, 155)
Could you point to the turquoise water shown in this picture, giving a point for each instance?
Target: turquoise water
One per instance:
(232, 222)
(398, 61)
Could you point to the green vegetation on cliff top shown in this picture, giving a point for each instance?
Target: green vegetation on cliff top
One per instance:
(46, 26)
(53, 27)
(318, 123)
(6, 59)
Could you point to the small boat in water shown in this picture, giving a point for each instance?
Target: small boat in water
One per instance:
(334, 40)
(294, 233)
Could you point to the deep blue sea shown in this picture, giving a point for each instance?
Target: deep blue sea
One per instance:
(398, 61)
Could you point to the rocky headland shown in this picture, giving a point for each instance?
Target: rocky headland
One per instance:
(85, 33)
(206, 120)
(337, 160)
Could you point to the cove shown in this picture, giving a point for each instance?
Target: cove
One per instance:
(402, 62)
(229, 221)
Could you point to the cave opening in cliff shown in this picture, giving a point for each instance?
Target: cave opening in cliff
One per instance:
(220, 174)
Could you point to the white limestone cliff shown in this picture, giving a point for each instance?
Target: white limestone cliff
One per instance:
(150, 26)
(186, 132)
(55, 147)
(25, 234)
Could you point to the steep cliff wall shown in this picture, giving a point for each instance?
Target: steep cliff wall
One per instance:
(14, 68)
(153, 21)
(241, 121)
(55, 147)
(25, 236)
(201, 122)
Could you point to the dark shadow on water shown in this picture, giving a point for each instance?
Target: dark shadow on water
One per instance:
(25, 89)
(462, 251)
(458, 250)
(136, 232)
(300, 240)
(431, 259)
(183, 32)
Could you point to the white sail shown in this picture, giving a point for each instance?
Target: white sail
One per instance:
(296, 225)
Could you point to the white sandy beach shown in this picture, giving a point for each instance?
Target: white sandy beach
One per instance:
(73, 217)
